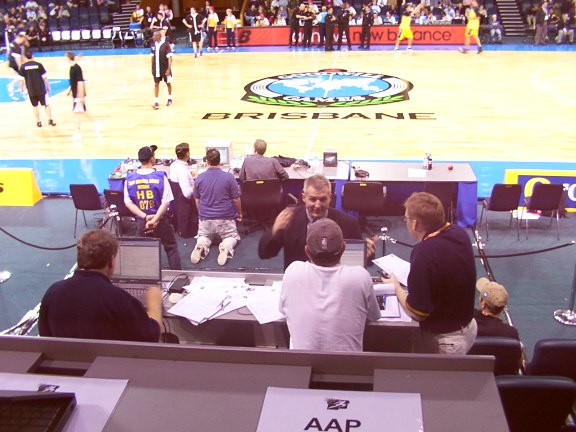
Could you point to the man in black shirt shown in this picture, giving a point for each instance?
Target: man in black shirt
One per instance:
(89, 306)
(346, 13)
(161, 66)
(78, 90)
(493, 300)
(367, 23)
(37, 85)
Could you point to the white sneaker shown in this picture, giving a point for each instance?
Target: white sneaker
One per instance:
(223, 255)
(197, 254)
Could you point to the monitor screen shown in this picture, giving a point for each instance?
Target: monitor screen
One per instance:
(354, 254)
(138, 259)
(225, 150)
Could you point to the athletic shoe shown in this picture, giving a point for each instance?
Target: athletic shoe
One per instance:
(396, 51)
(197, 254)
(200, 53)
(223, 255)
(156, 105)
(169, 102)
(195, 55)
(39, 124)
(463, 50)
(51, 122)
(480, 49)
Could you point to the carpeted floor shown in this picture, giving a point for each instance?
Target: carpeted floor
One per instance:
(538, 283)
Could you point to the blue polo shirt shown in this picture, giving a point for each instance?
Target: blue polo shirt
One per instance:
(216, 191)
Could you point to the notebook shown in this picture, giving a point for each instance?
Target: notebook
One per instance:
(35, 411)
(355, 253)
(138, 266)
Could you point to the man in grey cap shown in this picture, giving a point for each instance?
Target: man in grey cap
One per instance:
(327, 304)
(493, 300)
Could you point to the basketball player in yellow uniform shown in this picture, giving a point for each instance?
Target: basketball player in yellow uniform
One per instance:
(405, 30)
(472, 27)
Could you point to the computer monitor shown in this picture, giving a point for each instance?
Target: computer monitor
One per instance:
(138, 259)
(355, 253)
(224, 147)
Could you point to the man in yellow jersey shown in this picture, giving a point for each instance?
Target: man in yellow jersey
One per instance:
(405, 30)
(472, 27)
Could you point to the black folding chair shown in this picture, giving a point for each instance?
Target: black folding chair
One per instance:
(504, 198)
(85, 198)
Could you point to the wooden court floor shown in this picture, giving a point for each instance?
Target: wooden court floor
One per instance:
(498, 106)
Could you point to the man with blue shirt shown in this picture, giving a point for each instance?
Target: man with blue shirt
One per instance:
(147, 194)
(218, 200)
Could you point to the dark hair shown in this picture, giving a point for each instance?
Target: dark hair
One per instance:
(95, 248)
(70, 55)
(213, 157)
(28, 53)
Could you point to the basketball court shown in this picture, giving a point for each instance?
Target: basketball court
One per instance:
(497, 110)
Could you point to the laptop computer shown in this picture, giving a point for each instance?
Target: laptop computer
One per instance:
(138, 266)
(355, 253)
(35, 411)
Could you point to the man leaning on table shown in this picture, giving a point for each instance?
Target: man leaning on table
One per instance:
(327, 304)
(442, 278)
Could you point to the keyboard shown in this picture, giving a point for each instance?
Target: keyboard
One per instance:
(136, 290)
(24, 411)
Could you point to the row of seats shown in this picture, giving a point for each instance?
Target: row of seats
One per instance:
(101, 37)
(542, 398)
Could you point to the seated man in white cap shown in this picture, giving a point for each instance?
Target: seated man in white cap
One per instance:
(327, 304)
(493, 300)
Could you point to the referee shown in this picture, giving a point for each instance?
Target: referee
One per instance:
(37, 85)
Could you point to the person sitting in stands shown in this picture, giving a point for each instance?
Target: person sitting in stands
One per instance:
(495, 29)
(327, 304)
(565, 32)
(493, 300)
(89, 306)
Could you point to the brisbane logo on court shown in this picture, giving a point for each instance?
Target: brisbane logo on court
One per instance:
(328, 88)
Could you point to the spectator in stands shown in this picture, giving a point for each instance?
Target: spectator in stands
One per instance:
(218, 200)
(250, 16)
(530, 13)
(495, 29)
(564, 30)
(32, 36)
(441, 279)
(260, 167)
(289, 229)
(44, 35)
(279, 21)
(390, 19)
(541, 24)
(137, 15)
(449, 12)
(148, 17)
(492, 302)
(327, 304)
(89, 306)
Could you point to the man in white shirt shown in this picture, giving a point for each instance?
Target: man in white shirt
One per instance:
(327, 304)
(184, 204)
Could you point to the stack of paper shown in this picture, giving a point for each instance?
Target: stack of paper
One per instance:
(393, 265)
(264, 303)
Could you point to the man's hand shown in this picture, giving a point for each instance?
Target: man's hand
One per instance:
(371, 246)
(283, 220)
(151, 224)
(238, 217)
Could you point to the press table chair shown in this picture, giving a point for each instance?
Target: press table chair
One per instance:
(366, 198)
(504, 198)
(85, 197)
(507, 351)
(545, 198)
(261, 200)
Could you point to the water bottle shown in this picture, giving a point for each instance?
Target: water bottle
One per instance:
(425, 162)
(429, 162)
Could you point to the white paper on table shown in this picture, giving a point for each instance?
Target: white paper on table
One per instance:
(417, 173)
(392, 264)
(96, 398)
(382, 289)
(210, 297)
(264, 303)
(394, 311)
